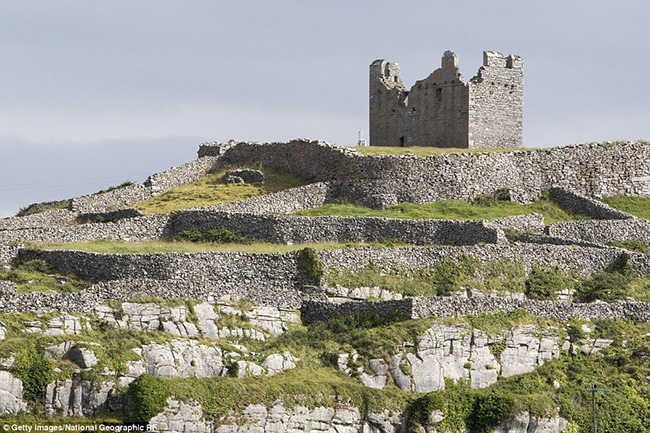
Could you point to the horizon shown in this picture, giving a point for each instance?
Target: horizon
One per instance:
(100, 94)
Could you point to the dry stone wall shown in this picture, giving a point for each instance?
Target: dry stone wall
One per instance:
(296, 229)
(587, 260)
(287, 201)
(50, 218)
(602, 231)
(156, 184)
(581, 205)
(460, 306)
(592, 170)
(130, 229)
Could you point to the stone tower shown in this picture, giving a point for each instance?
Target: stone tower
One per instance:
(443, 110)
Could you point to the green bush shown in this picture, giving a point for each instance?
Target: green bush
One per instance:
(149, 394)
(545, 282)
(33, 369)
(217, 236)
(488, 410)
(310, 265)
(502, 194)
(604, 286)
(363, 320)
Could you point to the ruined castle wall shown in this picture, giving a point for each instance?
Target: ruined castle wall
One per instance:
(496, 103)
(444, 111)
(439, 105)
(388, 118)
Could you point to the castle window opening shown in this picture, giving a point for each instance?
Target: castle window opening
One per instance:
(439, 94)
(401, 141)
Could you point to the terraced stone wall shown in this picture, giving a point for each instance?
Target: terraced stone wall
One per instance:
(585, 259)
(592, 170)
(295, 229)
(602, 231)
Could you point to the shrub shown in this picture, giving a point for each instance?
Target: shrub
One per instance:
(604, 286)
(309, 264)
(501, 194)
(217, 236)
(363, 320)
(33, 369)
(149, 395)
(488, 410)
(545, 282)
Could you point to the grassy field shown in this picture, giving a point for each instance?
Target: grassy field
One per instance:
(122, 247)
(638, 206)
(449, 209)
(426, 151)
(211, 190)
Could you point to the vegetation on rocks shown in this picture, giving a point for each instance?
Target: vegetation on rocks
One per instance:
(449, 209)
(309, 264)
(37, 275)
(212, 189)
(503, 276)
(218, 236)
(33, 369)
(43, 207)
(638, 206)
(122, 247)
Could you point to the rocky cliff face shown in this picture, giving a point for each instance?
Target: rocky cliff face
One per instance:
(188, 418)
(456, 351)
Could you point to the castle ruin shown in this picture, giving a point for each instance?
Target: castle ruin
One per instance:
(445, 111)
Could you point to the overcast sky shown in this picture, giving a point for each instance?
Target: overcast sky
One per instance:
(93, 93)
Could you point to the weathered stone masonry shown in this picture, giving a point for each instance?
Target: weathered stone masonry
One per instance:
(443, 110)
(592, 170)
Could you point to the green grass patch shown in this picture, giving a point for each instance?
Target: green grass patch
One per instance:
(145, 247)
(448, 209)
(638, 206)
(39, 276)
(445, 277)
(211, 190)
(632, 245)
(427, 150)
(218, 236)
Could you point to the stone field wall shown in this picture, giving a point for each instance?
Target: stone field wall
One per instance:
(458, 306)
(577, 204)
(297, 229)
(154, 185)
(602, 231)
(590, 170)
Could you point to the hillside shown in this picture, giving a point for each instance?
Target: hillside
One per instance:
(303, 286)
